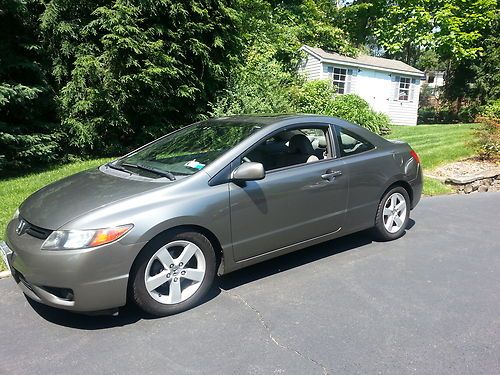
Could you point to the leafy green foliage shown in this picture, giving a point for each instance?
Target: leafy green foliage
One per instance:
(319, 97)
(265, 88)
(452, 28)
(262, 85)
(102, 76)
(486, 69)
(131, 70)
(28, 128)
(280, 28)
(489, 132)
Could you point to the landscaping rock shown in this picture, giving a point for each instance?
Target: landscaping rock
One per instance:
(470, 175)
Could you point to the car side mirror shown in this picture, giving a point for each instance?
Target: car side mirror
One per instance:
(249, 171)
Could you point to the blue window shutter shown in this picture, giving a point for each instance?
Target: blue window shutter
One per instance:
(348, 81)
(412, 89)
(395, 79)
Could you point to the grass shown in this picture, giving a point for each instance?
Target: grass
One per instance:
(437, 145)
(14, 191)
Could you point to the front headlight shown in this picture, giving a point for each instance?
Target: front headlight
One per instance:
(16, 214)
(81, 239)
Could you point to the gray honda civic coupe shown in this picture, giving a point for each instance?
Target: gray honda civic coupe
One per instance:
(157, 225)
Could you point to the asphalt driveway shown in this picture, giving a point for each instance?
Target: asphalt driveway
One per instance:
(428, 303)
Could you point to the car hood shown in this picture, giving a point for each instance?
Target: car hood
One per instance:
(60, 202)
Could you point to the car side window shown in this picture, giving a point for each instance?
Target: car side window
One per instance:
(350, 143)
(291, 147)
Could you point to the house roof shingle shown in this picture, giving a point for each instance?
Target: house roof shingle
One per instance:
(364, 60)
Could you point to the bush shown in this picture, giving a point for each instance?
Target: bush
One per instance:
(447, 114)
(319, 97)
(489, 132)
(491, 110)
(260, 85)
(23, 151)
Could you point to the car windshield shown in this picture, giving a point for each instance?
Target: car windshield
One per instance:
(189, 150)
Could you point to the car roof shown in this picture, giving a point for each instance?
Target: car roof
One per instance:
(263, 119)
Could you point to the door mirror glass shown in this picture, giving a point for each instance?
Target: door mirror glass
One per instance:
(249, 171)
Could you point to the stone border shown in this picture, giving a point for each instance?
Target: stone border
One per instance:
(467, 179)
(467, 184)
(4, 274)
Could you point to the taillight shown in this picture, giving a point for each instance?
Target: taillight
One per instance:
(414, 155)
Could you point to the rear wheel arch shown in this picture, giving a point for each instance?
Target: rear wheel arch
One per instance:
(405, 185)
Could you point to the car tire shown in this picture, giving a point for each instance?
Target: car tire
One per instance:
(181, 286)
(391, 219)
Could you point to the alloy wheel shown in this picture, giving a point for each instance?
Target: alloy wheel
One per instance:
(175, 272)
(394, 212)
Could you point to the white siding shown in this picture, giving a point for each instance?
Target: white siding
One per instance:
(405, 112)
(375, 88)
(311, 68)
(378, 88)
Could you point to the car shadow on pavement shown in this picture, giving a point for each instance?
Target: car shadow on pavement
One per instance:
(294, 260)
(130, 314)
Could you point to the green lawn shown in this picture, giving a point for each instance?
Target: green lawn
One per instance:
(437, 145)
(13, 191)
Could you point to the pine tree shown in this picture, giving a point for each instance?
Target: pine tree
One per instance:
(28, 122)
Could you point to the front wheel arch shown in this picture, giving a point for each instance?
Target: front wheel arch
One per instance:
(180, 229)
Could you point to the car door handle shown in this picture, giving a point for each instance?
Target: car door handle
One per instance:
(330, 175)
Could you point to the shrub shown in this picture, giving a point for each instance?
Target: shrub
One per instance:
(319, 97)
(489, 132)
(261, 85)
(492, 109)
(447, 114)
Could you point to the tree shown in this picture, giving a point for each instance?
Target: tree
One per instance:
(283, 27)
(452, 28)
(28, 121)
(131, 70)
(358, 18)
(486, 69)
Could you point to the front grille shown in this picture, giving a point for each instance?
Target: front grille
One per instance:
(36, 231)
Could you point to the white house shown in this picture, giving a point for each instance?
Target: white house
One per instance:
(389, 86)
(434, 79)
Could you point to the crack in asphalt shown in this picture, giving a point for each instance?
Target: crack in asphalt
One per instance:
(265, 324)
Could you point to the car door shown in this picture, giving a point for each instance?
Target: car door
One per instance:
(369, 169)
(291, 204)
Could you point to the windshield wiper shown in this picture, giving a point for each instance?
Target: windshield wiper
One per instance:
(117, 167)
(159, 172)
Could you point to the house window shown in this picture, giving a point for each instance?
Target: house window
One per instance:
(430, 79)
(339, 78)
(404, 88)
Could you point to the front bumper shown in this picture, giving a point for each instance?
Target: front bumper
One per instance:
(83, 280)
